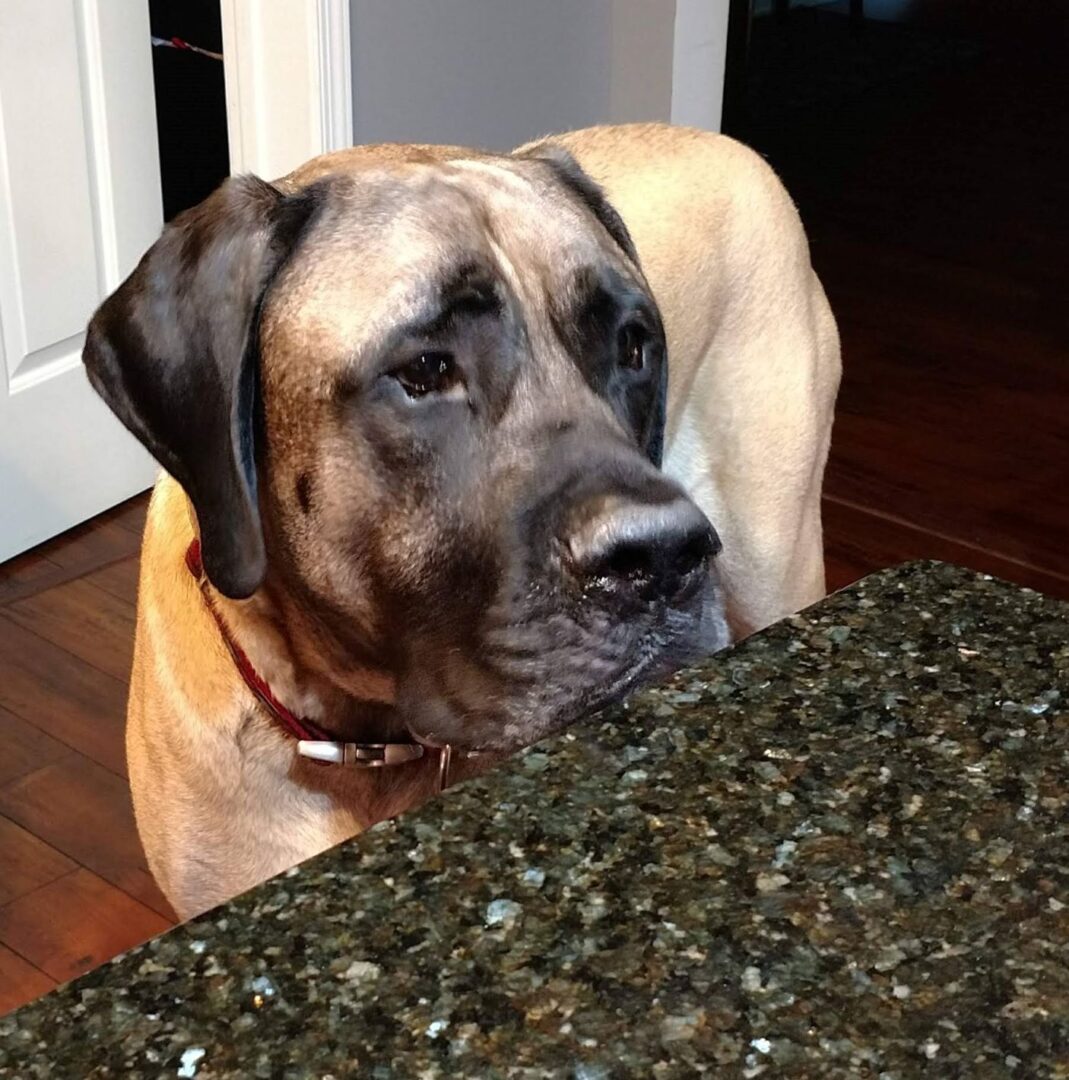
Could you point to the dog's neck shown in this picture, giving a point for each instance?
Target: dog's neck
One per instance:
(296, 660)
(347, 713)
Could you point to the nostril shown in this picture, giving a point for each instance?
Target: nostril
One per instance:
(694, 552)
(628, 560)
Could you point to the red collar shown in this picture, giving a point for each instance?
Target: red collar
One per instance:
(312, 741)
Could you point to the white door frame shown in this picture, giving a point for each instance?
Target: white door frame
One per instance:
(288, 82)
(699, 61)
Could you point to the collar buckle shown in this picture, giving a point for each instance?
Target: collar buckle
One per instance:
(366, 755)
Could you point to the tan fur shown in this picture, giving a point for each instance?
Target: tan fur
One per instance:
(223, 803)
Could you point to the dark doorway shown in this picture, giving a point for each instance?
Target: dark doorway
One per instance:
(190, 100)
(924, 142)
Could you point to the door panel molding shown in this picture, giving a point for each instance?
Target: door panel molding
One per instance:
(91, 57)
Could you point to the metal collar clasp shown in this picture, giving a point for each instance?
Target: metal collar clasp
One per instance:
(367, 755)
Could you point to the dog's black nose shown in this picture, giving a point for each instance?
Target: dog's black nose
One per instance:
(651, 549)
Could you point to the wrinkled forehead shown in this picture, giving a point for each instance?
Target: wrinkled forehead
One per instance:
(385, 243)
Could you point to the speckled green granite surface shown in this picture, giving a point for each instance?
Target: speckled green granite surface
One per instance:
(841, 850)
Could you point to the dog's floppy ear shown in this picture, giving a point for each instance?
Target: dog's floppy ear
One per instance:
(571, 174)
(173, 353)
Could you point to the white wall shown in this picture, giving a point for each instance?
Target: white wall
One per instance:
(490, 73)
(495, 73)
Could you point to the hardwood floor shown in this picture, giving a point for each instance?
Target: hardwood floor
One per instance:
(936, 212)
(74, 887)
(922, 154)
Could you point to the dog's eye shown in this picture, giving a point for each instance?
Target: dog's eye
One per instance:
(632, 342)
(429, 373)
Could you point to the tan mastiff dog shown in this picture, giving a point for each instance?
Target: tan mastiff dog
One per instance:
(411, 402)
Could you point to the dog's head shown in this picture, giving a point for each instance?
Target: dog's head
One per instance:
(422, 404)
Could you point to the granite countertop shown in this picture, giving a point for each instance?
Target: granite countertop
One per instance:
(838, 850)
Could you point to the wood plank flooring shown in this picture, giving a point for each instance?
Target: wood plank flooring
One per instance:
(74, 887)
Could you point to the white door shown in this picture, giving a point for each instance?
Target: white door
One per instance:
(79, 203)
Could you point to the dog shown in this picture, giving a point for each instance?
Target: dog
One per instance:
(457, 447)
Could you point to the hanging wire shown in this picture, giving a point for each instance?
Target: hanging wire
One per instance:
(178, 43)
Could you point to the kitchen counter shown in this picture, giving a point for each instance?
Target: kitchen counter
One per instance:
(840, 849)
